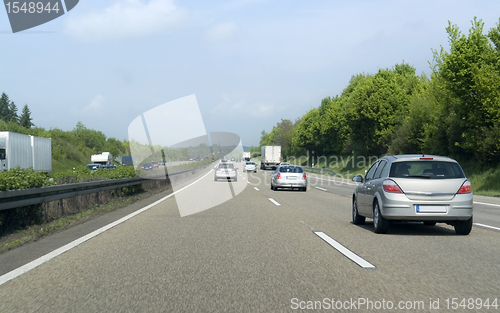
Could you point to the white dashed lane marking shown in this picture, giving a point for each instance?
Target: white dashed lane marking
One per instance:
(274, 201)
(348, 253)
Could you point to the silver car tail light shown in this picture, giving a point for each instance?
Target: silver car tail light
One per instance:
(391, 186)
(465, 188)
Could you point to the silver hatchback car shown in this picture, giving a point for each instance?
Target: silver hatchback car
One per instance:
(289, 176)
(423, 188)
(225, 170)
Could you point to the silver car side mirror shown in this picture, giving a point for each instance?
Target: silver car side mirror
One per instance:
(357, 179)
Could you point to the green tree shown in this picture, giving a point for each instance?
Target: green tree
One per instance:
(13, 117)
(332, 130)
(410, 136)
(25, 119)
(376, 106)
(4, 107)
(92, 139)
(470, 72)
(265, 139)
(307, 134)
(280, 135)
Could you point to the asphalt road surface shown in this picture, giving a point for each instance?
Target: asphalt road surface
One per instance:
(241, 247)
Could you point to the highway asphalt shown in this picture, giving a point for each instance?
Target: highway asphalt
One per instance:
(241, 247)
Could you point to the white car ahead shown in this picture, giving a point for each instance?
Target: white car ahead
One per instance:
(250, 167)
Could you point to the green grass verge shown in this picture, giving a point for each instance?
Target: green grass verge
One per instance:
(485, 182)
(65, 165)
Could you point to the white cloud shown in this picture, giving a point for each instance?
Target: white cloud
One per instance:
(262, 110)
(256, 109)
(238, 105)
(239, 4)
(96, 105)
(125, 18)
(228, 105)
(221, 33)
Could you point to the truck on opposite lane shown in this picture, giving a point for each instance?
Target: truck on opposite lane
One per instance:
(104, 158)
(25, 151)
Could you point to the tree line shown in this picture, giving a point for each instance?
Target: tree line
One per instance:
(8, 112)
(454, 112)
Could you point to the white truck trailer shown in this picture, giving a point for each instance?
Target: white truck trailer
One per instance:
(104, 158)
(270, 157)
(25, 151)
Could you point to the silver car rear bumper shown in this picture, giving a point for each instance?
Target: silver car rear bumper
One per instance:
(399, 207)
(231, 174)
(281, 183)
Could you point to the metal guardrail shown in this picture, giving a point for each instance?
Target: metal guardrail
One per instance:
(22, 197)
(321, 170)
(18, 198)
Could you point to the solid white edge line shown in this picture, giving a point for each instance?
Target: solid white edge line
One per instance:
(274, 201)
(487, 226)
(348, 253)
(47, 257)
(486, 203)
(256, 188)
(323, 189)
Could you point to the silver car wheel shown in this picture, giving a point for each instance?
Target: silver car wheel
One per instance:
(356, 218)
(379, 222)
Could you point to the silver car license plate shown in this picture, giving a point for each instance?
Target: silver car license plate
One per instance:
(431, 208)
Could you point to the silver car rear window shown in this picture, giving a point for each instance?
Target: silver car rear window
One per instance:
(290, 169)
(426, 170)
(226, 165)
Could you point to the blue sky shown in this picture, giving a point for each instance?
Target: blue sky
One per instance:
(250, 63)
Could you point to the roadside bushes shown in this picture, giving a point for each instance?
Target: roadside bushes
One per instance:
(83, 174)
(23, 178)
(19, 218)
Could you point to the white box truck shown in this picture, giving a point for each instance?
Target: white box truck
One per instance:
(25, 151)
(270, 157)
(104, 158)
(246, 156)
